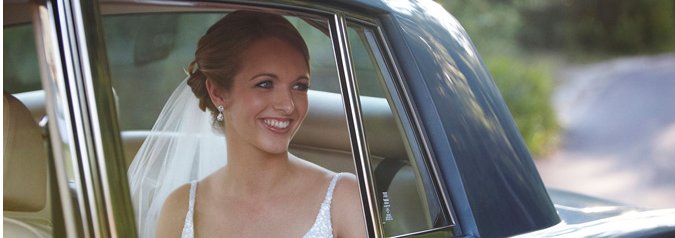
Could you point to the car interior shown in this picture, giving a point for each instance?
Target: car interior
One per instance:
(323, 139)
(26, 190)
(328, 146)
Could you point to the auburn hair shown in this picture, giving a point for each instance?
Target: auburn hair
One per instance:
(220, 51)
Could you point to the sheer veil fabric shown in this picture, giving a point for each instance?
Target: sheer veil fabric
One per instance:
(183, 146)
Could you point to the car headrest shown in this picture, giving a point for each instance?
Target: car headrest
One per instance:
(24, 159)
(326, 127)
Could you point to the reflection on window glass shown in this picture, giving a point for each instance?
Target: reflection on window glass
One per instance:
(407, 199)
(31, 199)
(21, 70)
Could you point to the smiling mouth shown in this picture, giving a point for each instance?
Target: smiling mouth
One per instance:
(277, 124)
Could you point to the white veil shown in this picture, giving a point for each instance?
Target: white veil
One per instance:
(183, 146)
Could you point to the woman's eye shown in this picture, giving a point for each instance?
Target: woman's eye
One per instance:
(301, 87)
(264, 84)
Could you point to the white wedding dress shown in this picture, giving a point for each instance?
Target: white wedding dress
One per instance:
(160, 166)
(183, 146)
(322, 228)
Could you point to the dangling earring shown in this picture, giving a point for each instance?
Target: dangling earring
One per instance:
(220, 116)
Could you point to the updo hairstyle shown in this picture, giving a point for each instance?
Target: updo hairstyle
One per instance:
(220, 51)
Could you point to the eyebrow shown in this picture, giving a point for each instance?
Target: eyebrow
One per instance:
(264, 74)
(276, 77)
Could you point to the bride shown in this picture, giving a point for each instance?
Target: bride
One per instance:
(251, 73)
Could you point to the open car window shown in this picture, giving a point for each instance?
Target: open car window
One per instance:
(148, 53)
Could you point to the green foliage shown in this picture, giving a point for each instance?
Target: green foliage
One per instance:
(612, 27)
(494, 27)
(509, 33)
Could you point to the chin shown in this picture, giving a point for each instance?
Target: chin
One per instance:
(275, 149)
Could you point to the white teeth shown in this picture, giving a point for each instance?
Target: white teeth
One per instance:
(277, 124)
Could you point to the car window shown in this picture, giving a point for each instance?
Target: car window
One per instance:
(408, 201)
(149, 52)
(26, 155)
(20, 64)
(147, 56)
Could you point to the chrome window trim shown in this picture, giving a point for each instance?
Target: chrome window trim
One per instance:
(113, 177)
(74, 57)
(435, 232)
(83, 148)
(213, 6)
(402, 96)
(53, 81)
(421, 135)
(338, 30)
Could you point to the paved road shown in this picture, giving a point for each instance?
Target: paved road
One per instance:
(618, 121)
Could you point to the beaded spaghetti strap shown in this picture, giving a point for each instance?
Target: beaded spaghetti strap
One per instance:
(323, 226)
(188, 227)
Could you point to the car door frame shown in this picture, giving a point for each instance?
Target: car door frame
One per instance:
(83, 120)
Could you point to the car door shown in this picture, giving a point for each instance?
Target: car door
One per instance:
(107, 69)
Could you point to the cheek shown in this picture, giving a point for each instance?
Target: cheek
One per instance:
(243, 108)
(302, 105)
(250, 101)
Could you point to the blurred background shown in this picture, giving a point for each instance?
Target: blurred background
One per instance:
(591, 85)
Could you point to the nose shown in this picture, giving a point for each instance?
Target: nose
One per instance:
(283, 102)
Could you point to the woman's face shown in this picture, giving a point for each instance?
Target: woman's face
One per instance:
(268, 99)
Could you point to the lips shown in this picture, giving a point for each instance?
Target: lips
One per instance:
(277, 124)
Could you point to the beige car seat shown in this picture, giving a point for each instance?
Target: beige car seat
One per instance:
(27, 210)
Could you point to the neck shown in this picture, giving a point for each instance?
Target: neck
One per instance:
(252, 172)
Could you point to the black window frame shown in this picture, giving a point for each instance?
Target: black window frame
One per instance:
(401, 99)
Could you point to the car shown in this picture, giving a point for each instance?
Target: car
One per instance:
(400, 97)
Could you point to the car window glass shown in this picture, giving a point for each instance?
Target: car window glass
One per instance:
(406, 196)
(21, 72)
(27, 159)
(147, 54)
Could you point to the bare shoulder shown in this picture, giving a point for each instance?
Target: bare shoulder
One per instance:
(346, 208)
(347, 185)
(308, 167)
(172, 217)
(346, 192)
